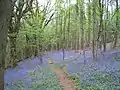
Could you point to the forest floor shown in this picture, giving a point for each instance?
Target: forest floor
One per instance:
(102, 74)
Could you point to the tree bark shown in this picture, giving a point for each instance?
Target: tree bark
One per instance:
(94, 26)
(117, 26)
(89, 25)
(5, 10)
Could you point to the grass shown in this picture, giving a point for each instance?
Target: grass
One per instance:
(44, 79)
(116, 59)
(75, 78)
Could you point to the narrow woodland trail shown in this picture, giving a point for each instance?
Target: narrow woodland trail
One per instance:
(64, 81)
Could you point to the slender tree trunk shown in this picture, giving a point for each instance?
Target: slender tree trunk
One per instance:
(57, 44)
(76, 43)
(94, 25)
(63, 48)
(117, 26)
(78, 38)
(68, 41)
(84, 56)
(105, 29)
(101, 32)
(41, 52)
(81, 5)
(89, 24)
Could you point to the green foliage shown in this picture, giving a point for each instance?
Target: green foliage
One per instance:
(44, 79)
(93, 88)
(16, 85)
(116, 58)
(76, 78)
(69, 20)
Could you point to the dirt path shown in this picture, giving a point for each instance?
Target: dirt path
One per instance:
(62, 77)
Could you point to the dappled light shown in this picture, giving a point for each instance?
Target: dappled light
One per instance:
(59, 44)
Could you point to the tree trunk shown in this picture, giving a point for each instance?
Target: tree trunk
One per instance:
(81, 15)
(5, 10)
(68, 41)
(64, 39)
(41, 52)
(89, 24)
(94, 26)
(117, 26)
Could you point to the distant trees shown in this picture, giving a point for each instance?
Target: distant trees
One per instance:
(62, 25)
(38, 21)
(89, 21)
(20, 9)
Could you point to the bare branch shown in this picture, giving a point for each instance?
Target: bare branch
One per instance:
(47, 22)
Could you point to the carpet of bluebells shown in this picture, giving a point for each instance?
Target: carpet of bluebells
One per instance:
(31, 75)
(100, 74)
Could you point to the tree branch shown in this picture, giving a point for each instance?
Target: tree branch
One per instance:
(47, 22)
